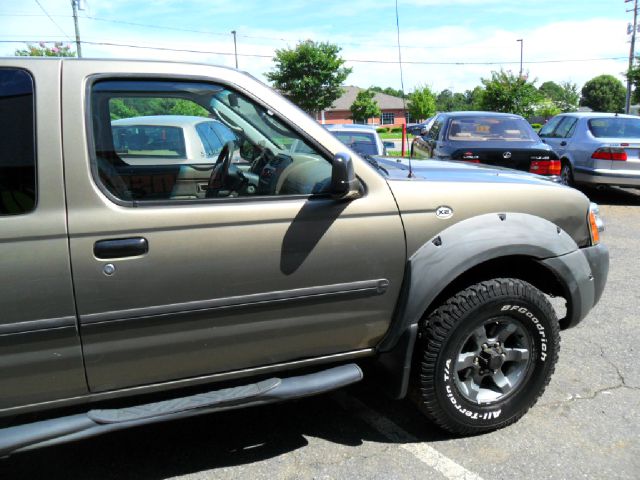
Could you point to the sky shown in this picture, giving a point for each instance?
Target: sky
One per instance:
(445, 44)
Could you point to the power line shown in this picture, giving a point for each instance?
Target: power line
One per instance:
(353, 60)
(52, 20)
(253, 37)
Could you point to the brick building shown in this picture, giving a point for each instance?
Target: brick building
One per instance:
(391, 107)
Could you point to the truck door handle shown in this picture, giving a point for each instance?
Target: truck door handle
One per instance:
(563, 143)
(120, 247)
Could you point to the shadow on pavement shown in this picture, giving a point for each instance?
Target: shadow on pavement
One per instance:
(219, 440)
(613, 195)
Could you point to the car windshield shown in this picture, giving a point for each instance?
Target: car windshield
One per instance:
(363, 143)
(479, 129)
(149, 141)
(615, 127)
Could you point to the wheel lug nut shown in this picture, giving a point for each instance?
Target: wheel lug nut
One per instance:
(484, 346)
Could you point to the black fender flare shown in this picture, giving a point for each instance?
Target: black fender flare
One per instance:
(448, 255)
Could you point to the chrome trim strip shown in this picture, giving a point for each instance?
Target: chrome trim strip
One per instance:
(361, 288)
(35, 325)
(188, 382)
(604, 172)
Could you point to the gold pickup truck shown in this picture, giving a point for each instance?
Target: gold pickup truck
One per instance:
(143, 283)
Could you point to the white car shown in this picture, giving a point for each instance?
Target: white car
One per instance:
(362, 139)
(170, 139)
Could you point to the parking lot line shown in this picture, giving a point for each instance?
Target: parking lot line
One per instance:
(420, 450)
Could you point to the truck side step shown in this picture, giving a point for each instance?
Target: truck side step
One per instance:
(97, 422)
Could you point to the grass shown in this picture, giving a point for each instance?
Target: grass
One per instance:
(393, 136)
(395, 153)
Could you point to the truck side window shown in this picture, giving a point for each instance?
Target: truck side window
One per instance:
(180, 140)
(17, 158)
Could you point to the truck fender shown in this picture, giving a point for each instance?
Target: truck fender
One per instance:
(444, 258)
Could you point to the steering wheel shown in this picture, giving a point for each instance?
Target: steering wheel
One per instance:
(220, 172)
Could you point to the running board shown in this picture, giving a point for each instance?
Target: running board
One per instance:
(97, 422)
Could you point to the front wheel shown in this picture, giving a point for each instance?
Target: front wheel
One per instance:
(486, 354)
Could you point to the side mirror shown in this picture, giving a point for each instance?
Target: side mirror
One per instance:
(388, 144)
(344, 184)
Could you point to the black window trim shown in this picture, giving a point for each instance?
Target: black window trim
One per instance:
(93, 164)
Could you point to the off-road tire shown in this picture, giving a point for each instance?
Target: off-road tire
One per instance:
(486, 306)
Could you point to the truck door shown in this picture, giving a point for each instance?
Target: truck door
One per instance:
(190, 267)
(39, 345)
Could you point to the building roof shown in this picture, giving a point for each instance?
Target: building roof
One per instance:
(385, 102)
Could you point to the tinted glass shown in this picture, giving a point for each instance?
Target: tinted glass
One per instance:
(211, 141)
(479, 129)
(225, 134)
(148, 141)
(163, 141)
(566, 128)
(17, 158)
(434, 131)
(548, 128)
(615, 127)
(364, 143)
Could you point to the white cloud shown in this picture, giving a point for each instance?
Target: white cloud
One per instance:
(560, 40)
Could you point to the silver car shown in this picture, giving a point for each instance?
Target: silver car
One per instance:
(596, 148)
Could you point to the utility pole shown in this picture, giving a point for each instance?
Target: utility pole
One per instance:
(235, 46)
(631, 52)
(521, 49)
(74, 6)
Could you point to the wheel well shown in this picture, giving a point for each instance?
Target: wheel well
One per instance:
(515, 266)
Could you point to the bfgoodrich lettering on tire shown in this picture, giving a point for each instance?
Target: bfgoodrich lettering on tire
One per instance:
(486, 354)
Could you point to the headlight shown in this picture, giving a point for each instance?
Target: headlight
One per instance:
(596, 225)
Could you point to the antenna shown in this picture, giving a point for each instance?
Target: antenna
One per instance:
(404, 103)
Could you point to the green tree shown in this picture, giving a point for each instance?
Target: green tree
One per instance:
(459, 102)
(510, 93)
(388, 90)
(547, 109)
(473, 98)
(137, 107)
(570, 98)
(364, 106)
(444, 101)
(551, 90)
(604, 93)
(633, 74)
(41, 50)
(422, 103)
(310, 75)
(564, 95)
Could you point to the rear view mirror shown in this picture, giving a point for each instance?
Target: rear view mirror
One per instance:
(344, 184)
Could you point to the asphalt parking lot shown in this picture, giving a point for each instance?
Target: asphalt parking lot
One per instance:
(587, 424)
